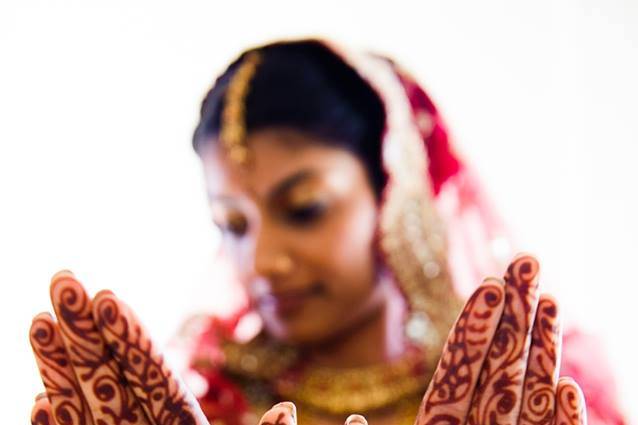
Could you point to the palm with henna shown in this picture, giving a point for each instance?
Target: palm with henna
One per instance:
(499, 365)
(99, 367)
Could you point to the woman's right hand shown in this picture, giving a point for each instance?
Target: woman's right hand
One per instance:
(99, 366)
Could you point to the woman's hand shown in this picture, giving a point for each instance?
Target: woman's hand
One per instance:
(500, 363)
(99, 366)
(285, 413)
(499, 366)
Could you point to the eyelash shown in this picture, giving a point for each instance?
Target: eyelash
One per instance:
(235, 229)
(299, 216)
(306, 214)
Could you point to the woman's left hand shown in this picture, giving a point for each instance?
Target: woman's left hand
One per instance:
(99, 366)
(501, 362)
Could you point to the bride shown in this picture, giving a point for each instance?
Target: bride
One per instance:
(361, 240)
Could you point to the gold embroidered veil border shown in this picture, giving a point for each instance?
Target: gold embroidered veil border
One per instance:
(413, 234)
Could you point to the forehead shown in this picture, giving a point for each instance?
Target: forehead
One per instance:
(276, 154)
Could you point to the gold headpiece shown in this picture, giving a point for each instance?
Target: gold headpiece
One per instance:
(233, 128)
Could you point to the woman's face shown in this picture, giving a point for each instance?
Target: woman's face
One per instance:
(298, 224)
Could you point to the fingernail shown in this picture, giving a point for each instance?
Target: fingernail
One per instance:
(292, 409)
(62, 273)
(40, 396)
(493, 279)
(284, 413)
(356, 419)
(42, 315)
(522, 254)
(104, 292)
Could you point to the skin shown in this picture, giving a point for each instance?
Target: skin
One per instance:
(298, 224)
(499, 365)
(99, 367)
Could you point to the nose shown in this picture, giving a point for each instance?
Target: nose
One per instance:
(272, 258)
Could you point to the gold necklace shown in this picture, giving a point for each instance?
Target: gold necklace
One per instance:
(339, 391)
(326, 390)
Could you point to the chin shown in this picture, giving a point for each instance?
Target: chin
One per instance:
(299, 331)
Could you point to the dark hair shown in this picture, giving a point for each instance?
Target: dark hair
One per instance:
(305, 86)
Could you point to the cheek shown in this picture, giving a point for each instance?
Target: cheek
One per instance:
(342, 249)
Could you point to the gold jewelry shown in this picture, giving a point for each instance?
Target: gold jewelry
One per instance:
(274, 374)
(339, 391)
(261, 358)
(233, 129)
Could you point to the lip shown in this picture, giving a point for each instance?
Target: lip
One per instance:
(289, 302)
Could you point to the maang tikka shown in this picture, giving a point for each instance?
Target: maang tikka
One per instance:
(233, 127)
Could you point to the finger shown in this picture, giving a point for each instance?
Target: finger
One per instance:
(41, 412)
(356, 420)
(497, 398)
(541, 378)
(449, 394)
(284, 413)
(570, 403)
(64, 393)
(163, 396)
(109, 398)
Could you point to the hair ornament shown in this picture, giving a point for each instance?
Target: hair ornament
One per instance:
(233, 128)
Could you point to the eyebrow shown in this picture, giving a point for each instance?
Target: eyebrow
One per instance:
(280, 189)
(290, 182)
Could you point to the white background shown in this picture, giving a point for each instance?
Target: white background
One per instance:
(98, 101)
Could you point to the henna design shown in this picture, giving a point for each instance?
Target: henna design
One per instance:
(497, 399)
(41, 417)
(162, 396)
(570, 403)
(41, 413)
(65, 395)
(467, 345)
(444, 419)
(110, 399)
(539, 391)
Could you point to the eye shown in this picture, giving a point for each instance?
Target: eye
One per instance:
(237, 225)
(233, 225)
(305, 214)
